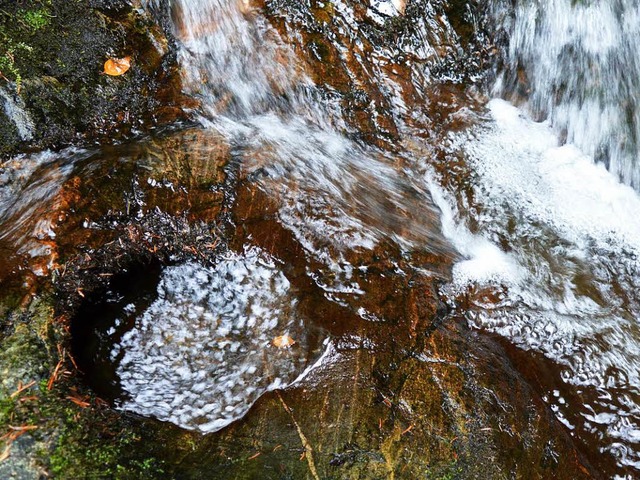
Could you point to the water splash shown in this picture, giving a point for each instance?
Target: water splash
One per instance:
(576, 63)
(560, 234)
(255, 91)
(233, 60)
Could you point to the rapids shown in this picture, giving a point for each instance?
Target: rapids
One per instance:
(536, 218)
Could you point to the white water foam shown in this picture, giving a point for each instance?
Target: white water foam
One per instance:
(582, 72)
(204, 351)
(561, 238)
(381, 10)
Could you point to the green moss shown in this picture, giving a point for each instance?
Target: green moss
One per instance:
(52, 53)
(9, 52)
(34, 20)
(451, 471)
(16, 27)
(83, 451)
(71, 440)
(7, 406)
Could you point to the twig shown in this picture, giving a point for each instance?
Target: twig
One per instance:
(54, 375)
(407, 430)
(5, 454)
(308, 451)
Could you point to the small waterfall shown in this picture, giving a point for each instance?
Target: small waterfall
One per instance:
(255, 91)
(233, 60)
(554, 233)
(576, 63)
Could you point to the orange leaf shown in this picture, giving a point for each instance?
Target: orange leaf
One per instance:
(117, 66)
(283, 341)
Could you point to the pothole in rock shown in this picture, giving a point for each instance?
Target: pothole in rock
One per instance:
(204, 345)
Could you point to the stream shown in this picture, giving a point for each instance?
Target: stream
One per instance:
(520, 179)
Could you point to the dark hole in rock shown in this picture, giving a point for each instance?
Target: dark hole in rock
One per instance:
(102, 319)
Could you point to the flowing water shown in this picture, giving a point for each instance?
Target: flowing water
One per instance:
(556, 244)
(28, 198)
(534, 203)
(547, 228)
(563, 230)
(333, 194)
(581, 71)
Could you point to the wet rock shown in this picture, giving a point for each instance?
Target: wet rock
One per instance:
(9, 135)
(160, 199)
(433, 412)
(383, 69)
(111, 210)
(405, 390)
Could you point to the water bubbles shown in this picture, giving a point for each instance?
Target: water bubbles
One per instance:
(203, 351)
(571, 231)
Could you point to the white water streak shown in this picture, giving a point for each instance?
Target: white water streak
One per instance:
(583, 73)
(568, 284)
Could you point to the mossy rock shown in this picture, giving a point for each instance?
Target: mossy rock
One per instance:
(53, 53)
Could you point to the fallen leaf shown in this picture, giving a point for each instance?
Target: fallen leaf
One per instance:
(400, 5)
(283, 341)
(117, 66)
